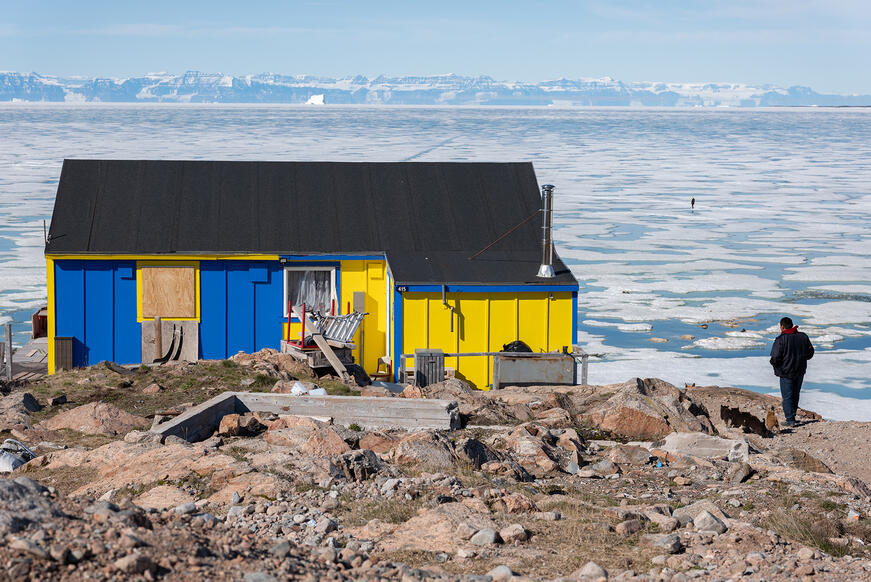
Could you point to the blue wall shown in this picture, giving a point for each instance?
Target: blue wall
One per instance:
(95, 304)
(240, 308)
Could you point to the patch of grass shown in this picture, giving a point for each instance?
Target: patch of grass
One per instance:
(355, 427)
(412, 558)
(262, 381)
(829, 505)
(229, 364)
(469, 476)
(64, 479)
(861, 530)
(564, 546)
(73, 438)
(335, 388)
(305, 486)
(237, 453)
(800, 527)
(397, 510)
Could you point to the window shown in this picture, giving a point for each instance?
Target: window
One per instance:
(313, 286)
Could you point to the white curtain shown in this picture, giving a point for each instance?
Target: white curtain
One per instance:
(312, 288)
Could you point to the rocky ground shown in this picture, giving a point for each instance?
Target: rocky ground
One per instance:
(637, 481)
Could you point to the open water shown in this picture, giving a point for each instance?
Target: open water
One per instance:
(781, 225)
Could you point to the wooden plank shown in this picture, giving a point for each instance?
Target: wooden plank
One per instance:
(168, 292)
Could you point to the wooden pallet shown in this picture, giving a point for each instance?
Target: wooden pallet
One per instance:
(27, 376)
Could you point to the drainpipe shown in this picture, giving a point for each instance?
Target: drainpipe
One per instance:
(445, 303)
(545, 271)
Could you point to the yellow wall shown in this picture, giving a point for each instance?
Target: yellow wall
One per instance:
(49, 265)
(483, 322)
(370, 278)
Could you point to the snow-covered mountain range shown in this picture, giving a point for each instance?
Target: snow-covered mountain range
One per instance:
(197, 87)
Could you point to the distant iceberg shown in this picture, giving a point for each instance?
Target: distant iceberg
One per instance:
(316, 100)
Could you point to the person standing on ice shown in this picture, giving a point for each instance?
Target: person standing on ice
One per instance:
(789, 355)
(693, 204)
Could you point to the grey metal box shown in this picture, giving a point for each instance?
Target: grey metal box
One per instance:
(534, 369)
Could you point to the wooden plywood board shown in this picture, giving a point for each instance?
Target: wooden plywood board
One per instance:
(168, 292)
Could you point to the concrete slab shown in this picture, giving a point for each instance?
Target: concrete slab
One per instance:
(200, 421)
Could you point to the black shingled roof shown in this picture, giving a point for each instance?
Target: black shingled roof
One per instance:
(428, 218)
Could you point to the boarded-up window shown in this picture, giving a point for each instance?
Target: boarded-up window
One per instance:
(168, 292)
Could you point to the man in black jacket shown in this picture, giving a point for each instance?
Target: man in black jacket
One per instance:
(789, 355)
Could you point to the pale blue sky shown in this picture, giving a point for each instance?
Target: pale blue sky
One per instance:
(822, 44)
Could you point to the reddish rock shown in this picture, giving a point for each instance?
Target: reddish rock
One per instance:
(153, 389)
(514, 503)
(325, 441)
(434, 530)
(530, 450)
(411, 391)
(229, 425)
(646, 409)
(554, 418)
(287, 437)
(375, 391)
(291, 366)
(240, 425)
(378, 442)
(629, 455)
(96, 418)
(164, 497)
(15, 409)
(426, 450)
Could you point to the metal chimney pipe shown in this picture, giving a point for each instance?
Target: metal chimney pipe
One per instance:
(545, 271)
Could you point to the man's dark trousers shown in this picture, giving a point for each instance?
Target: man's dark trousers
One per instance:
(789, 389)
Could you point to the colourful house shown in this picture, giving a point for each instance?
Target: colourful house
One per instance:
(440, 255)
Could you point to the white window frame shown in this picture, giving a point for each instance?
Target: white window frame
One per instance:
(333, 293)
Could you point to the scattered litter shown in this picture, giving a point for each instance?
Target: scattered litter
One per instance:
(14, 454)
(306, 389)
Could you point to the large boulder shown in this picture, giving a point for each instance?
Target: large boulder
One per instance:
(378, 442)
(325, 441)
(647, 409)
(24, 501)
(798, 459)
(428, 450)
(164, 497)
(120, 464)
(710, 447)
(240, 425)
(96, 418)
(532, 447)
(434, 530)
(15, 409)
(359, 465)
